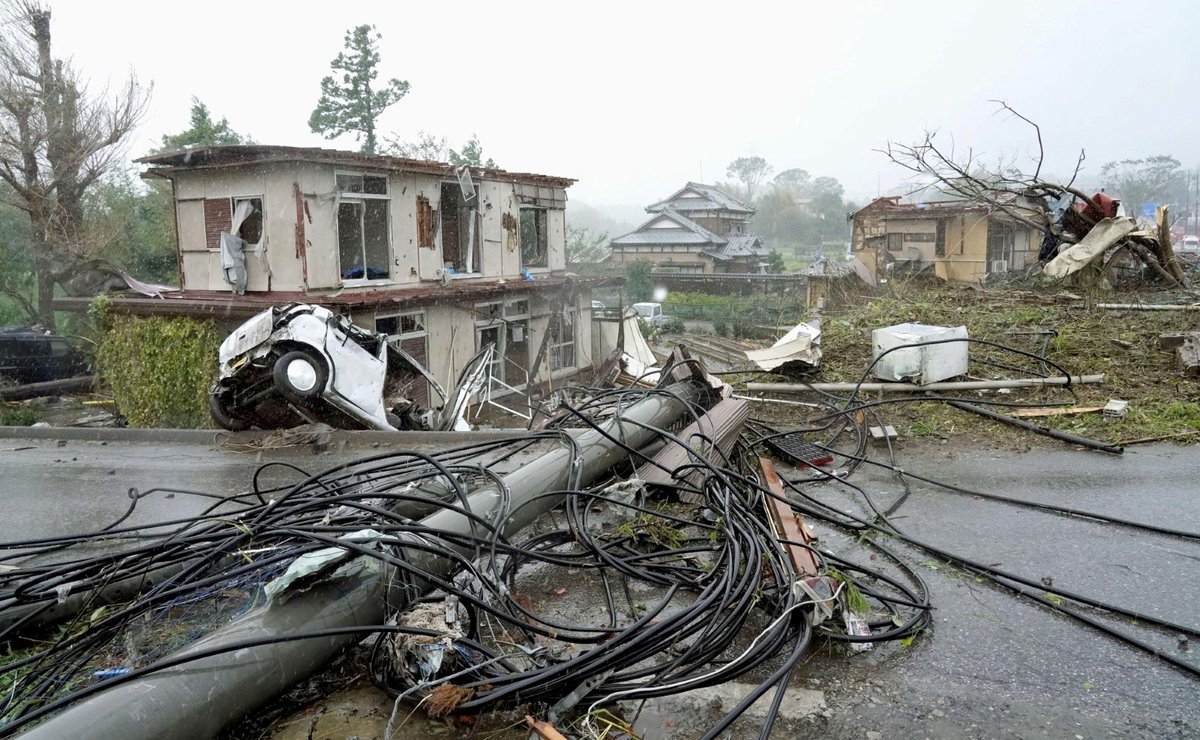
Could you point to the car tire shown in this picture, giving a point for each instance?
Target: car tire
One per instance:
(300, 375)
(220, 414)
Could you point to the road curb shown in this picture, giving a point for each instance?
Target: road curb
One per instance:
(216, 436)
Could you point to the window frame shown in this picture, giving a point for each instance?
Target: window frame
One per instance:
(506, 313)
(233, 201)
(542, 218)
(346, 196)
(476, 249)
(422, 329)
(557, 343)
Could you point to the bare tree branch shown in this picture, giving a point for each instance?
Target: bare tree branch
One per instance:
(1005, 188)
(56, 141)
(1037, 129)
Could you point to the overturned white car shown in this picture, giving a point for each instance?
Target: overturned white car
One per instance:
(302, 363)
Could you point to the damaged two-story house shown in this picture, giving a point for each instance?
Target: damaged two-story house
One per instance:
(444, 260)
(699, 229)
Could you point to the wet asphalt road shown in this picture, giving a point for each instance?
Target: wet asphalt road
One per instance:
(994, 665)
(997, 665)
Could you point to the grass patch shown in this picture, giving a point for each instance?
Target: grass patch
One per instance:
(655, 529)
(1122, 345)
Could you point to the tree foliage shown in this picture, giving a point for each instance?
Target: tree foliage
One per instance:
(426, 146)
(802, 213)
(639, 284)
(139, 220)
(795, 180)
(430, 147)
(203, 131)
(471, 155)
(750, 172)
(350, 102)
(585, 247)
(1136, 182)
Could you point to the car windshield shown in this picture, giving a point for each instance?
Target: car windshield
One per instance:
(645, 309)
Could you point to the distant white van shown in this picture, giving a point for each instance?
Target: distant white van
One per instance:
(651, 313)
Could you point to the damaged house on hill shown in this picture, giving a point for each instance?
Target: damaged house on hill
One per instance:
(699, 229)
(445, 260)
(958, 241)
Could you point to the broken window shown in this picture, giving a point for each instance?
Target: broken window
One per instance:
(360, 184)
(534, 240)
(562, 340)
(895, 242)
(1001, 243)
(364, 246)
(460, 230)
(426, 226)
(363, 232)
(240, 216)
(248, 220)
(506, 325)
(407, 331)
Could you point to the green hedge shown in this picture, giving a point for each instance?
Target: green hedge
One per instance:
(159, 369)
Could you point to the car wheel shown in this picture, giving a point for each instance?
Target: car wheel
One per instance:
(220, 414)
(300, 375)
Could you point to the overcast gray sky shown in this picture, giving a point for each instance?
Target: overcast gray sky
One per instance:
(634, 98)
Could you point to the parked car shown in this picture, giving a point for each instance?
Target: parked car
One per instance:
(31, 356)
(651, 313)
(1190, 243)
(303, 363)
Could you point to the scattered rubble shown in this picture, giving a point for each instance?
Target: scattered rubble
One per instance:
(663, 489)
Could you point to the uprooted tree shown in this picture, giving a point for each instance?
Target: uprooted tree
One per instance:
(56, 141)
(1008, 188)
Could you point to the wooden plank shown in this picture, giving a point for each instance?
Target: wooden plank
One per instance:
(543, 729)
(788, 524)
(1059, 411)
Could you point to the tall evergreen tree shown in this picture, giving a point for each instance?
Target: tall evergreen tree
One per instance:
(349, 101)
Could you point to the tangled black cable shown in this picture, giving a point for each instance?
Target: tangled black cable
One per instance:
(717, 571)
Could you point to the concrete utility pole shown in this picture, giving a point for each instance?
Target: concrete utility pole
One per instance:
(197, 698)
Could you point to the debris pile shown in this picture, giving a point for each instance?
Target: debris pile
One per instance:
(700, 556)
(1092, 228)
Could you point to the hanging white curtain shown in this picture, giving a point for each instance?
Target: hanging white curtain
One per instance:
(241, 212)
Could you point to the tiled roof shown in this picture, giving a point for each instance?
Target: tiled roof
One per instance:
(687, 231)
(825, 267)
(739, 246)
(711, 199)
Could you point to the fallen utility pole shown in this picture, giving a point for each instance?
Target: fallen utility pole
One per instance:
(46, 388)
(1150, 306)
(219, 679)
(1074, 439)
(960, 385)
